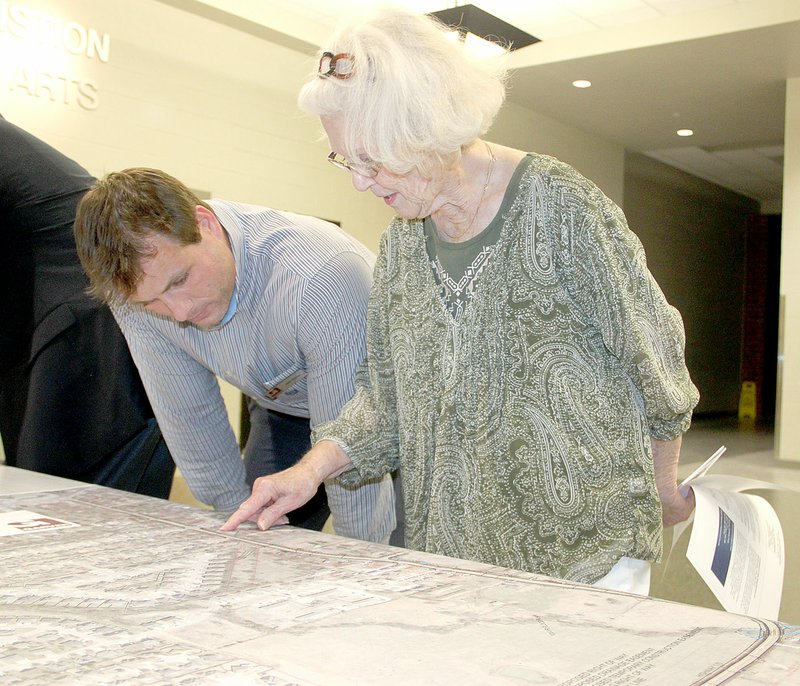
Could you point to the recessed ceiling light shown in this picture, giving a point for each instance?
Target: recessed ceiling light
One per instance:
(582, 83)
(685, 132)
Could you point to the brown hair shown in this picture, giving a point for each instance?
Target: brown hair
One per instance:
(117, 218)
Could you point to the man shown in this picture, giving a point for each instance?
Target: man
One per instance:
(272, 302)
(71, 401)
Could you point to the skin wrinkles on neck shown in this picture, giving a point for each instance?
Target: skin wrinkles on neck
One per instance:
(462, 208)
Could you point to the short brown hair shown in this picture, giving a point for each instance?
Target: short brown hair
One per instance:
(117, 218)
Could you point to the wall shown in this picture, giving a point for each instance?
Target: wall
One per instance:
(216, 108)
(787, 411)
(694, 236)
(600, 160)
(213, 106)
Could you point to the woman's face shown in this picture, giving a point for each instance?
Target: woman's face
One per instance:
(410, 195)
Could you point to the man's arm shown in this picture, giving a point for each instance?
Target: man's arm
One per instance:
(332, 339)
(674, 507)
(273, 496)
(187, 403)
(331, 333)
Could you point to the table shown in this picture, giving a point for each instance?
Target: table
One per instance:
(121, 588)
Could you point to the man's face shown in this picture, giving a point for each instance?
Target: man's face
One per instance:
(189, 283)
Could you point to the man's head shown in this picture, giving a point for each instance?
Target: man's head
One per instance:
(146, 239)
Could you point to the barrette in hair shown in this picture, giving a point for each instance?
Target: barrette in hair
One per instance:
(340, 66)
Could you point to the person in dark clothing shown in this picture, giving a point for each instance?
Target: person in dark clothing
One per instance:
(71, 401)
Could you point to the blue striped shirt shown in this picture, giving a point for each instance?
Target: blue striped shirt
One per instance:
(293, 345)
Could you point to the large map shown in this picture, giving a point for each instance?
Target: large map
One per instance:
(142, 591)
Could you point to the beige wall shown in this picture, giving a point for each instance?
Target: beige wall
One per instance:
(216, 108)
(600, 160)
(211, 105)
(787, 426)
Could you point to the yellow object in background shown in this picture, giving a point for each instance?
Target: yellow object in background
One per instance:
(747, 400)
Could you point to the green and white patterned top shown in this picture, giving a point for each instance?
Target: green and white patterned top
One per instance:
(522, 427)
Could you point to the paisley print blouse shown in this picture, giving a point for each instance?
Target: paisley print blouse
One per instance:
(522, 428)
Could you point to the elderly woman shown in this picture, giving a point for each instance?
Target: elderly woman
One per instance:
(524, 369)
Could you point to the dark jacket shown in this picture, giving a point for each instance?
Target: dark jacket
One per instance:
(71, 402)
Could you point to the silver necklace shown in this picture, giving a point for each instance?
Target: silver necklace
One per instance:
(489, 171)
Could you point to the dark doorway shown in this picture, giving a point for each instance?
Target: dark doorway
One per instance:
(761, 306)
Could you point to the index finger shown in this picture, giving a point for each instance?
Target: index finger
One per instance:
(247, 511)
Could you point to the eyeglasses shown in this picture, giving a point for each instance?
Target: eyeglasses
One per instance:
(365, 168)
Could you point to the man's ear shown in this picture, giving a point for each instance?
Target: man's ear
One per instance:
(207, 221)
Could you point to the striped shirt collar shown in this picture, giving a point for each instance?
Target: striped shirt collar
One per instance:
(237, 244)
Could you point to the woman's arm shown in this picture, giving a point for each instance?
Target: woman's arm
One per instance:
(674, 506)
(275, 495)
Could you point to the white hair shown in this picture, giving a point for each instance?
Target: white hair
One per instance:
(415, 97)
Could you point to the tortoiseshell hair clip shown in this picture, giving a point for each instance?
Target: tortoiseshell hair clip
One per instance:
(339, 66)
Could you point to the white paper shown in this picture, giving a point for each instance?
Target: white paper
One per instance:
(702, 469)
(150, 592)
(737, 544)
(24, 522)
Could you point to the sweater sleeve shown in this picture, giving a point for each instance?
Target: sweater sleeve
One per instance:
(367, 427)
(614, 289)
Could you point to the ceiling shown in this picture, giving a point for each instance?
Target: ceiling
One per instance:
(718, 67)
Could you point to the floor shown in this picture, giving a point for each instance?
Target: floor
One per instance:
(749, 454)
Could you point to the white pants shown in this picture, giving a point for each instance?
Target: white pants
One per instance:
(629, 574)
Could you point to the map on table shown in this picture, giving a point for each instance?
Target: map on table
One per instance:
(142, 591)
